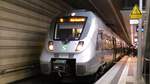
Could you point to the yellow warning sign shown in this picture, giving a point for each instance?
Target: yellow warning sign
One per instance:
(135, 13)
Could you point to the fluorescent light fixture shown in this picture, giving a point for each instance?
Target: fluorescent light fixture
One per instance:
(73, 14)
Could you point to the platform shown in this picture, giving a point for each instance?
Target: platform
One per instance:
(123, 72)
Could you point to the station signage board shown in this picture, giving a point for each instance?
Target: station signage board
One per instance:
(135, 13)
(134, 21)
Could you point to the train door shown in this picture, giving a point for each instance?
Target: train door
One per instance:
(114, 49)
(99, 40)
(99, 45)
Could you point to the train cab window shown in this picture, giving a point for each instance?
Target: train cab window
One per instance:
(69, 29)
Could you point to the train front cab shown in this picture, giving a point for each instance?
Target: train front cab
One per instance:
(84, 61)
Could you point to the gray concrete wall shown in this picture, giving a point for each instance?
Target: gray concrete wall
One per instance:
(23, 27)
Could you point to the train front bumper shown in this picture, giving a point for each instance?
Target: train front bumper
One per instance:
(65, 66)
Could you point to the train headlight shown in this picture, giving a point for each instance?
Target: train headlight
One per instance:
(80, 45)
(50, 46)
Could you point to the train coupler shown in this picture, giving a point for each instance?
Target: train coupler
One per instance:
(63, 67)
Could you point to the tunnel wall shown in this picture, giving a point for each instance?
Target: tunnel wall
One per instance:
(23, 27)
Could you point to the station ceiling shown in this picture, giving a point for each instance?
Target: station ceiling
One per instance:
(108, 10)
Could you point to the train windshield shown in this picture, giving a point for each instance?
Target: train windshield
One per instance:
(69, 28)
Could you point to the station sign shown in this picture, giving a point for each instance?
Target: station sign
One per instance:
(135, 13)
(134, 21)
